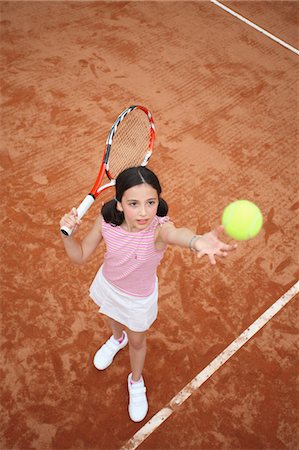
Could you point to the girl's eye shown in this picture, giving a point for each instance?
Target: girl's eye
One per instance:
(132, 204)
(152, 202)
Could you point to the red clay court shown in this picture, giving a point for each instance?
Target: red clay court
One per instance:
(224, 96)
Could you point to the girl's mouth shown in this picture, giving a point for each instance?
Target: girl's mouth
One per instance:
(142, 221)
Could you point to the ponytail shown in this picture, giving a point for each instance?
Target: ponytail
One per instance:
(162, 208)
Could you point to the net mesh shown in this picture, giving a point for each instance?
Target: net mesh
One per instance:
(130, 142)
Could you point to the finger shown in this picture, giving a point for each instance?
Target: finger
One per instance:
(69, 224)
(74, 212)
(231, 247)
(218, 230)
(74, 215)
(212, 259)
(69, 220)
(200, 254)
(228, 247)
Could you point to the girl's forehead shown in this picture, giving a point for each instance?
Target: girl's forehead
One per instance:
(141, 191)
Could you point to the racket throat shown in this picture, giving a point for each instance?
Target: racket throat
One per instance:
(94, 190)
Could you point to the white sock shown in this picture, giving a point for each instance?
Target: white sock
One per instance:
(135, 382)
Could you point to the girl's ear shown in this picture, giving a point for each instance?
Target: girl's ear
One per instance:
(119, 207)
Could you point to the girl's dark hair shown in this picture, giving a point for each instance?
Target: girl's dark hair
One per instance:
(126, 179)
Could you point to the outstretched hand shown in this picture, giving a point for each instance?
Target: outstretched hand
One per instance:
(210, 245)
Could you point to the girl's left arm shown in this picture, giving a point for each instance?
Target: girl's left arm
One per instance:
(208, 244)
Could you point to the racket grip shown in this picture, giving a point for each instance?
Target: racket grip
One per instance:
(81, 210)
(85, 205)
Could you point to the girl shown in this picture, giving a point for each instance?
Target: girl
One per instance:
(136, 231)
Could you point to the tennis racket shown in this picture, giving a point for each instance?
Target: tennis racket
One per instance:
(129, 143)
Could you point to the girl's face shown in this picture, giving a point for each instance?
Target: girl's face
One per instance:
(139, 205)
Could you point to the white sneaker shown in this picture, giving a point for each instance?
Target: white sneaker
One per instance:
(104, 356)
(138, 405)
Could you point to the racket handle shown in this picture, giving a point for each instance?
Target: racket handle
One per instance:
(81, 210)
(85, 205)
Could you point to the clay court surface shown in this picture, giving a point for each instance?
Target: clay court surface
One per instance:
(225, 102)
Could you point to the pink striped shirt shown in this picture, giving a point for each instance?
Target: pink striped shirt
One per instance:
(131, 259)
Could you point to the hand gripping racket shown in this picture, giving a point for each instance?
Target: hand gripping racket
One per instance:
(129, 143)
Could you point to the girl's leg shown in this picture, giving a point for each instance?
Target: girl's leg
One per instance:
(137, 350)
(116, 328)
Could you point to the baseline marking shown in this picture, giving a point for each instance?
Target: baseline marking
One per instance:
(256, 27)
(206, 373)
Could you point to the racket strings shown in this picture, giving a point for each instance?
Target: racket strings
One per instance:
(130, 143)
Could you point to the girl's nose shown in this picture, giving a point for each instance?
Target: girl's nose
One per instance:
(142, 210)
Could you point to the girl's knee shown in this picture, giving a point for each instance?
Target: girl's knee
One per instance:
(137, 340)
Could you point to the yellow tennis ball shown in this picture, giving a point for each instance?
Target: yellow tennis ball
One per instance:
(242, 220)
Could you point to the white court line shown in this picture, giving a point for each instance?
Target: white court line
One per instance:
(206, 373)
(256, 27)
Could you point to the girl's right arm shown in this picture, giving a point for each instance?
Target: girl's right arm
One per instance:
(80, 251)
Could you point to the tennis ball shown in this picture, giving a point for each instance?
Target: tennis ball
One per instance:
(242, 220)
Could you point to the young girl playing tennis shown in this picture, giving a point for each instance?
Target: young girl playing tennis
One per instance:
(136, 231)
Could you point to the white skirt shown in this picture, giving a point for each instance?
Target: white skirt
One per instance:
(136, 313)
